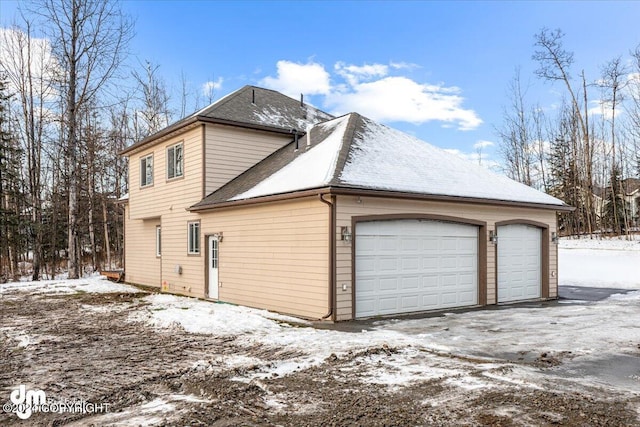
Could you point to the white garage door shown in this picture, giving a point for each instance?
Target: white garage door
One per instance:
(404, 266)
(519, 267)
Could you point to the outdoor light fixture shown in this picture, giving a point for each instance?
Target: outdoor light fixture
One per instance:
(554, 237)
(346, 234)
(493, 236)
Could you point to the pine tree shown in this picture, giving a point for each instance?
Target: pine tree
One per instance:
(614, 209)
(11, 196)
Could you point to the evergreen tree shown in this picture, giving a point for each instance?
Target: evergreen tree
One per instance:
(11, 206)
(614, 209)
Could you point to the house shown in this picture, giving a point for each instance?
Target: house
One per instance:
(630, 194)
(263, 201)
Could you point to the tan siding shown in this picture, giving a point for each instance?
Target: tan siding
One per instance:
(231, 151)
(274, 256)
(142, 266)
(167, 200)
(166, 196)
(348, 206)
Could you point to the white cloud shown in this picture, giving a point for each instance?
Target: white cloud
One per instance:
(403, 65)
(603, 108)
(376, 91)
(210, 86)
(293, 79)
(483, 144)
(353, 74)
(19, 53)
(400, 99)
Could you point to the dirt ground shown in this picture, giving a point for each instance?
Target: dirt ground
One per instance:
(88, 348)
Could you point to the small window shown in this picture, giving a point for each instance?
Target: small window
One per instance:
(174, 161)
(146, 170)
(158, 241)
(194, 238)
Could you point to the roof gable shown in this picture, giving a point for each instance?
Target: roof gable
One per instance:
(252, 107)
(355, 152)
(383, 158)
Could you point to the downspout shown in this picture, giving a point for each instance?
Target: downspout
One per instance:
(332, 254)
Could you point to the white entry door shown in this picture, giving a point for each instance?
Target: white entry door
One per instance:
(519, 262)
(405, 266)
(212, 286)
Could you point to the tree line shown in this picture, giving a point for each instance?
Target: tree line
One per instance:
(586, 151)
(65, 114)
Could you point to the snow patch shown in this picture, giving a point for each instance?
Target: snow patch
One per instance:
(95, 284)
(388, 159)
(312, 169)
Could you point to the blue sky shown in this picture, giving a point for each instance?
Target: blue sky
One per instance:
(438, 70)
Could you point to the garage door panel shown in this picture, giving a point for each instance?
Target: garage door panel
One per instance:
(410, 245)
(410, 263)
(410, 283)
(430, 263)
(366, 266)
(388, 304)
(387, 263)
(430, 301)
(449, 262)
(367, 244)
(387, 244)
(467, 262)
(388, 284)
(429, 245)
(410, 302)
(519, 262)
(430, 281)
(366, 286)
(435, 266)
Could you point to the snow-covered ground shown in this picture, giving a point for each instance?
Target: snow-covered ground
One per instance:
(573, 346)
(602, 263)
(92, 284)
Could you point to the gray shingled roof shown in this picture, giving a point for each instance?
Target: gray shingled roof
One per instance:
(253, 107)
(358, 153)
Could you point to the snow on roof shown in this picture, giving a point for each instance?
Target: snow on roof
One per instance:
(315, 168)
(250, 106)
(386, 159)
(378, 158)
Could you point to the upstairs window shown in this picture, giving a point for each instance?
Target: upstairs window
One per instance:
(146, 170)
(174, 161)
(193, 238)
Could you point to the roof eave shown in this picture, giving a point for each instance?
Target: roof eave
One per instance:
(204, 119)
(261, 199)
(350, 191)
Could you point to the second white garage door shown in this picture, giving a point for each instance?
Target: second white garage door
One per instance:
(404, 266)
(519, 266)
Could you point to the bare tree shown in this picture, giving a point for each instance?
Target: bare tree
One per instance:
(88, 39)
(554, 65)
(516, 134)
(29, 70)
(613, 83)
(154, 99)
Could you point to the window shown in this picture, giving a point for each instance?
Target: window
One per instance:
(194, 238)
(146, 170)
(158, 241)
(174, 161)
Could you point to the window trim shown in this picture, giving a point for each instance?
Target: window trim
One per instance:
(143, 170)
(196, 250)
(173, 147)
(158, 241)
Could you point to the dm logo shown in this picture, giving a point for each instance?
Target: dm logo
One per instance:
(27, 400)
